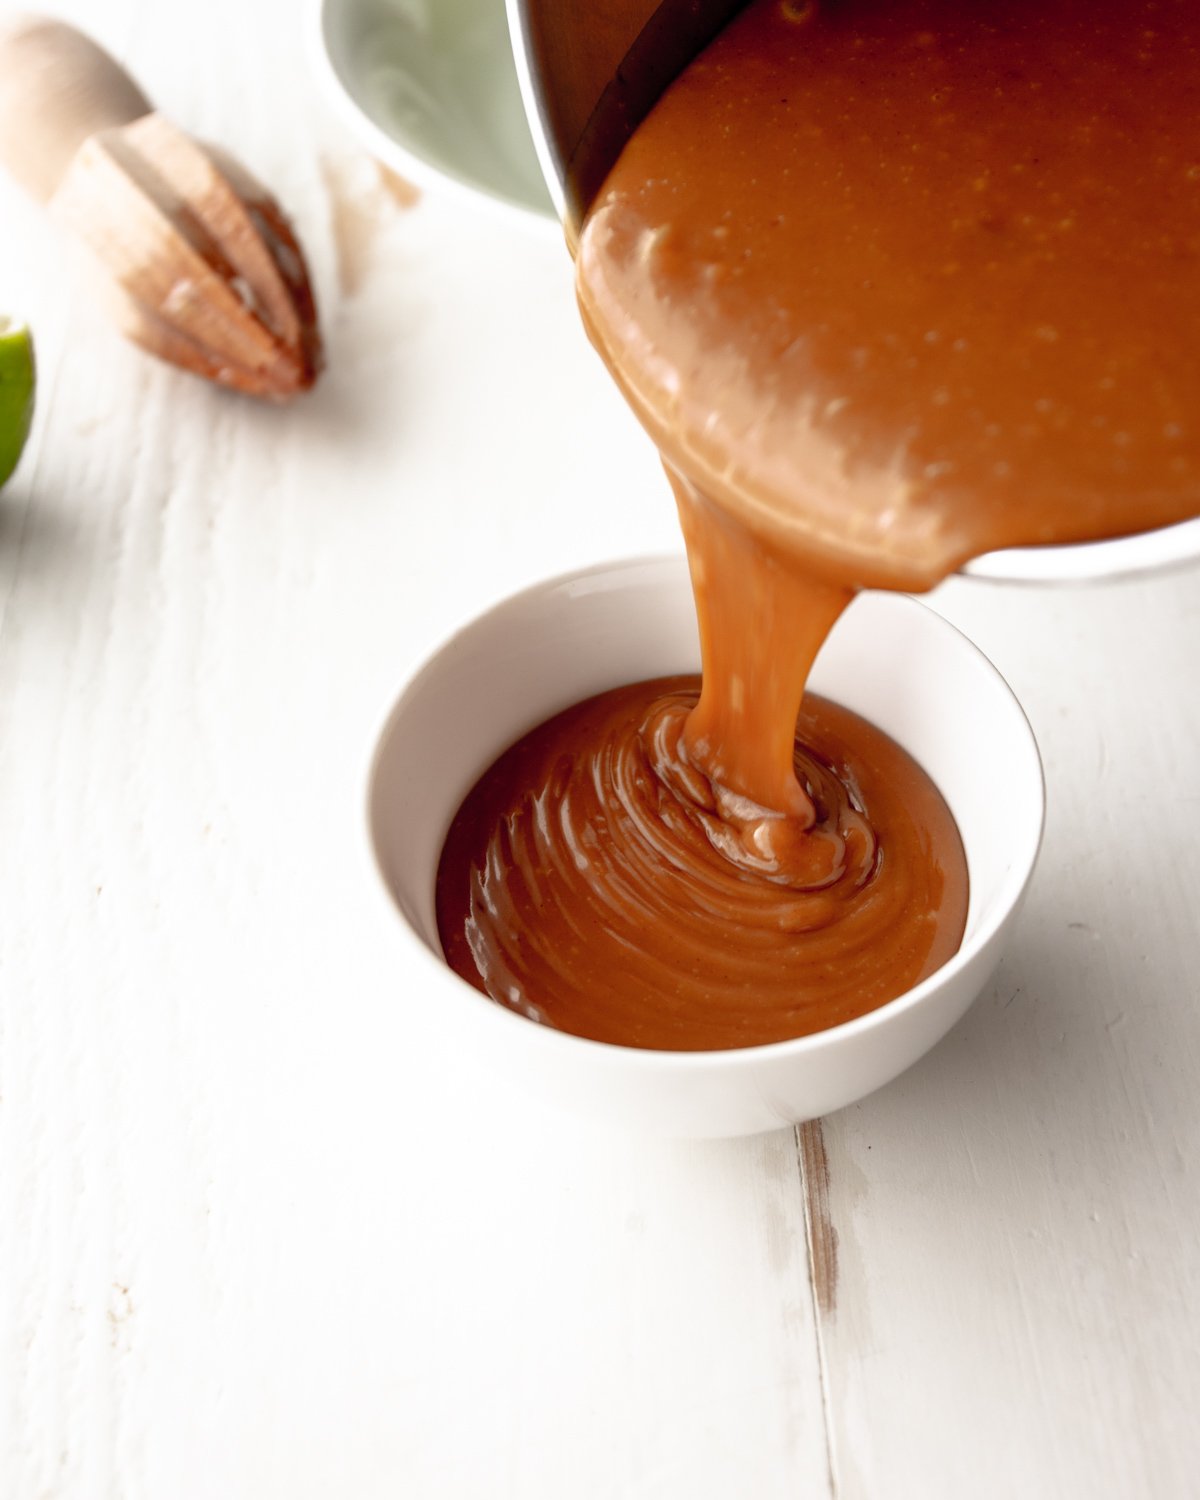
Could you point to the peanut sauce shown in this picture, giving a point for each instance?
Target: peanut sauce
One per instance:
(891, 283)
(609, 895)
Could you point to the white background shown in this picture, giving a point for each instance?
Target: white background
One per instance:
(252, 1241)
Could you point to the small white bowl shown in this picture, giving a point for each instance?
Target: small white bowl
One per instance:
(431, 90)
(891, 659)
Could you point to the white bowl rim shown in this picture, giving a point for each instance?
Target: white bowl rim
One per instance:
(1009, 896)
(387, 149)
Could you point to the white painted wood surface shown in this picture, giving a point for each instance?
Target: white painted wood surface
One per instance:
(251, 1241)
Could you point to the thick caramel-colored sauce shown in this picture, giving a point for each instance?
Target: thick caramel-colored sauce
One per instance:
(891, 283)
(591, 882)
(903, 281)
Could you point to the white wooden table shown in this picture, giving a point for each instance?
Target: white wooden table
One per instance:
(254, 1244)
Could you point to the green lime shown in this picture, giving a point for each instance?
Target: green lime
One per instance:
(18, 381)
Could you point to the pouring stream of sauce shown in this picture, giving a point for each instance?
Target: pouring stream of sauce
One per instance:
(892, 283)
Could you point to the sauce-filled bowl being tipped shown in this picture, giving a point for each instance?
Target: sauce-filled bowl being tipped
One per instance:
(889, 660)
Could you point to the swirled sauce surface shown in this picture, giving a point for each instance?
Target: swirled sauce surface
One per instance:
(594, 882)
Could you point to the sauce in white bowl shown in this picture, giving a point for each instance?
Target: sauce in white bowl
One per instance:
(889, 658)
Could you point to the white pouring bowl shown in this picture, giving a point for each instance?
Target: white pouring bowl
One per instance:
(889, 658)
(434, 92)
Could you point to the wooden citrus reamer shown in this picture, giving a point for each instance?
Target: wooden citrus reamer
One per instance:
(201, 265)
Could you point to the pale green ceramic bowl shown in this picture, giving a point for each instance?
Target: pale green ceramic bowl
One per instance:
(430, 88)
